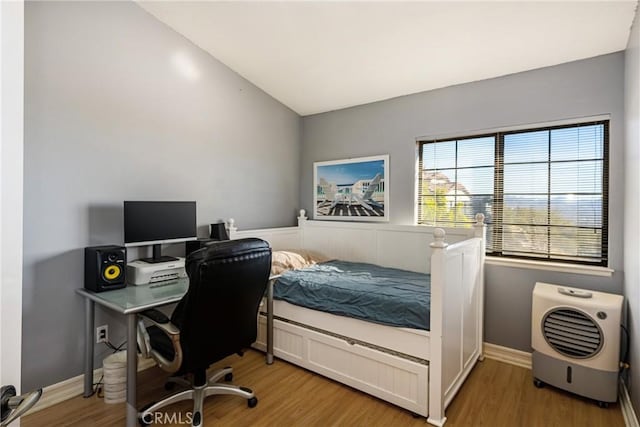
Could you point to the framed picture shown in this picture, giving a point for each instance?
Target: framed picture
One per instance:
(352, 189)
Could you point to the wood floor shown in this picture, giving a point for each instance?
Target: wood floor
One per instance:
(495, 394)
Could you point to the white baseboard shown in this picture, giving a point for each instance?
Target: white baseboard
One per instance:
(73, 387)
(629, 415)
(507, 355)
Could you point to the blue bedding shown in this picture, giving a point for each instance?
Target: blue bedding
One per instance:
(364, 291)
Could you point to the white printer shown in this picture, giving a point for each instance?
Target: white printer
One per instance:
(142, 273)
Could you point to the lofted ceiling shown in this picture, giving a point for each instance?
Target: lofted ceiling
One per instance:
(317, 56)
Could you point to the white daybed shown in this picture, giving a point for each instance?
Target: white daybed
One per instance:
(418, 370)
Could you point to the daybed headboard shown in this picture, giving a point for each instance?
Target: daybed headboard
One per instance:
(399, 246)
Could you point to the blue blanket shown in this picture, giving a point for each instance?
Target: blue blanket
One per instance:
(364, 291)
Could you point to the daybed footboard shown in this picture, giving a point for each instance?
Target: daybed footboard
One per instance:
(422, 377)
(457, 300)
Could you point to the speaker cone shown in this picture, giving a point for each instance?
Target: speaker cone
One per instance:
(112, 272)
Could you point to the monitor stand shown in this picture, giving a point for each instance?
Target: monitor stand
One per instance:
(158, 257)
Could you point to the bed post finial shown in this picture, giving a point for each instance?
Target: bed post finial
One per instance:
(231, 228)
(479, 226)
(438, 239)
(302, 217)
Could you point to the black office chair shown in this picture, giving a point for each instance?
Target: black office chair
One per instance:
(216, 318)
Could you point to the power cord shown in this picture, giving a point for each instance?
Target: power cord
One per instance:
(624, 363)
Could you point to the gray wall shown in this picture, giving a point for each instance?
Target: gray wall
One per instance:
(632, 204)
(109, 117)
(578, 89)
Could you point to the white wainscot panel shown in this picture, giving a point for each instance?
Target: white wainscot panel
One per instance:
(404, 250)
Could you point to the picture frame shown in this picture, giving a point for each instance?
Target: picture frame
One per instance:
(355, 189)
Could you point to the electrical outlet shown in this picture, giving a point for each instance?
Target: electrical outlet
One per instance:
(102, 333)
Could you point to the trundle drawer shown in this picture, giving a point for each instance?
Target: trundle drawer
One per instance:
(392, 378)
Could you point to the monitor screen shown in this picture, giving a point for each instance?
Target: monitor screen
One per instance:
(158, 222)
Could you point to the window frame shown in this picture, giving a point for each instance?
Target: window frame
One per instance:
(498, 189)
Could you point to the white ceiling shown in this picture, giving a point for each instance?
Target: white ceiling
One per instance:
(316, 56)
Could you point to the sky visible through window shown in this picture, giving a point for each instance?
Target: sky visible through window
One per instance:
(568, 144)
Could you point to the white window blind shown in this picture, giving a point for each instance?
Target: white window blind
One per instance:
(543, 191)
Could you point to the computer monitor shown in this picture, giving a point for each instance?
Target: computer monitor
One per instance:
(155, 223)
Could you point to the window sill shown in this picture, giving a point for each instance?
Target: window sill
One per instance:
(550, 266)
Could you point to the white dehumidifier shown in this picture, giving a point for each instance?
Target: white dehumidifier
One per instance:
(575, 335)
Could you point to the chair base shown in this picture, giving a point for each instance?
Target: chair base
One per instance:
(197, 394)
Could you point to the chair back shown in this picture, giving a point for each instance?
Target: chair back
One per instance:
(218, 315)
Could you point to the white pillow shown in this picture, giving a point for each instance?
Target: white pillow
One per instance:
(282, 261)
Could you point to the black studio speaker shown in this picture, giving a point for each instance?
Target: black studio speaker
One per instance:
(104, 268)
(194, 245)
(219, 231)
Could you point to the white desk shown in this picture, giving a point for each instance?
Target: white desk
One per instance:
(130, 301)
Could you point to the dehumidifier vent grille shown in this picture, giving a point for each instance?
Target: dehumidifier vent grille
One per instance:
(572, 333)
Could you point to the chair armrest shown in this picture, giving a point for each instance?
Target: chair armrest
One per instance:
(143, 339)
(164, 324)
(161, 321)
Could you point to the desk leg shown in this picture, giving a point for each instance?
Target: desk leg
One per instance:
(270, 322)
(89, 310)
(132, 370)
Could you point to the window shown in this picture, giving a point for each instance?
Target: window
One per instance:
(544, 192)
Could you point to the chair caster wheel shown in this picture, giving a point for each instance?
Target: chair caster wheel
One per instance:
(603, 405)
(251, 403)
(228, 377)
(538, 383)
